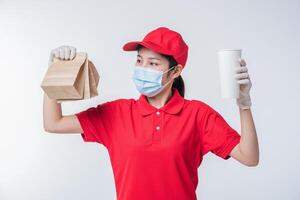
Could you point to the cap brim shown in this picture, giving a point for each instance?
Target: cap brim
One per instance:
(131, 46)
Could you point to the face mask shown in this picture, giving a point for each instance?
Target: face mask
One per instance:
(149, 81)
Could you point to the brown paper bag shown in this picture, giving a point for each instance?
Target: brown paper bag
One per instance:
(90, 89)
(94, 79)
(64, 78)
(87, 79)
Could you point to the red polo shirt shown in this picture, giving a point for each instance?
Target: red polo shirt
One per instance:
(155, 153)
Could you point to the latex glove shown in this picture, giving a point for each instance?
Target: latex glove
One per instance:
(243, 79)
(63, 52)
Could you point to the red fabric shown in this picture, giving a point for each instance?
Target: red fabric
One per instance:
(160, 164)
(165, 41)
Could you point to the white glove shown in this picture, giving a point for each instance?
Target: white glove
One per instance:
(63, 52)
(243, 79)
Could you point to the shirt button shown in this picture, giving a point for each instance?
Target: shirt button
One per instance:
(157, 112)
(157, 127)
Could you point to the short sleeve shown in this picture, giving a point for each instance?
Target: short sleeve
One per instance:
(97, 123)
(217, 135)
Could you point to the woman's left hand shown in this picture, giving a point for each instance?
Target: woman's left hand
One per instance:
(243, 79)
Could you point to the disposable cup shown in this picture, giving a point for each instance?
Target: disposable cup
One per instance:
(228, 61)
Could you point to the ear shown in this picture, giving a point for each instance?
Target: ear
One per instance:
(177, 71)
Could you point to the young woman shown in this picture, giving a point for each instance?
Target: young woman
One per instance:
(157, 142)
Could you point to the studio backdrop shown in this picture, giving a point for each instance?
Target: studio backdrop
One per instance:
(35, 164)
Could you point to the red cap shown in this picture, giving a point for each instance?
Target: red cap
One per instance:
(165, 41)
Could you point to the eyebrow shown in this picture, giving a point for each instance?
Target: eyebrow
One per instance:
(150, 57)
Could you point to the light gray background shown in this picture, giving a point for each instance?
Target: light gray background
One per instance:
(37, 165)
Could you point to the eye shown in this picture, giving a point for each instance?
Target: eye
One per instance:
(153, 64)
(138, 61)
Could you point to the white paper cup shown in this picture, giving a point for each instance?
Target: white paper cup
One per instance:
(228, 62)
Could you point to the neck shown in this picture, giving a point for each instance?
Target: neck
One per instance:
(162, 98)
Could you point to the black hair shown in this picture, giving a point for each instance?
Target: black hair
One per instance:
(178, 81)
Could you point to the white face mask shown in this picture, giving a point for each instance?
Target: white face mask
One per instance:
(149, 81)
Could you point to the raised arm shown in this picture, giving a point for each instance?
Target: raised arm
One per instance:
(54, 121)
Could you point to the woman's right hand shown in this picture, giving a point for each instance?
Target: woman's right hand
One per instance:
(54, 121)
(63, 52)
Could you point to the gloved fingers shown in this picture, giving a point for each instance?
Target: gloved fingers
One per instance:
(67, 53)
(241, 69)
(242, 62)
(245, 86)
(50, 59)
(62, 53)
(243, 81)
(72, 52)
(56, 52)
(53, 53)
(241, 75)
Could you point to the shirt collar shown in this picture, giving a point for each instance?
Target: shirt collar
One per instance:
(173, 106)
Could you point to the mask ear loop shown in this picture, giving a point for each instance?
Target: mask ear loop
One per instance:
(169, 69)
(170, 79)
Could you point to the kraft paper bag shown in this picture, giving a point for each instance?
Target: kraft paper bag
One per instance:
(76, 79)
(90, 89)
(94, 79)
(64, 79)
